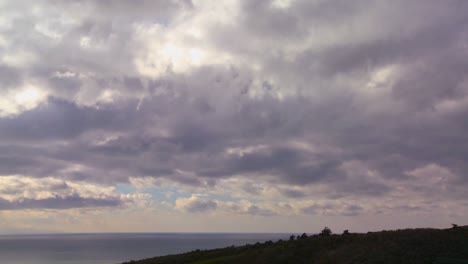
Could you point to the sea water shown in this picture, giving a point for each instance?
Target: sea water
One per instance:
(113, 248)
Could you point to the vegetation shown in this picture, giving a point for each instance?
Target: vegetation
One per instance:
(448, 246)
(326, 232)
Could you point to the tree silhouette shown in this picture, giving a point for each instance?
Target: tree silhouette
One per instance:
(326, 232)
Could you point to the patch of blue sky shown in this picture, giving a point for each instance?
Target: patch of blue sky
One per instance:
(125, 188)
(170, 194)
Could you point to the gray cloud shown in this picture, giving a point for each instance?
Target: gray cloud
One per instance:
(9, 77)
(196, 205)
(255, 210)
(59, 119)
(333, 209)
(20, 192)
(58, 203)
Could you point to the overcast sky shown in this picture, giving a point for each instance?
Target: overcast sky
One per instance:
(235, 116)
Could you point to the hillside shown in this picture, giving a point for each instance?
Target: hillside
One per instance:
(447, 246)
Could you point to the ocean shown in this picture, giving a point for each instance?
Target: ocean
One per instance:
(114, 248)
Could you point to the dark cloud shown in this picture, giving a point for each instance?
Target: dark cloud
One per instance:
(426, 84)
(293, 193)
(11, 164)
(59, 119)
(286, 163)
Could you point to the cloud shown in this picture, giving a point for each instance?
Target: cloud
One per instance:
(58, 119)
(333, 209)
(199, 204)
(18, 193)
(58, 203)
(285, 101)
(195, 204)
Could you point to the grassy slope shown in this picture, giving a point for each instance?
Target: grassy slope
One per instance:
(448, 246)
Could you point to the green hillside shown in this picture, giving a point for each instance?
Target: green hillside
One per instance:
(447, 246)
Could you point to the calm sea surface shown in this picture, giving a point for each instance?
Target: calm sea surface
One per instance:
(112, 248)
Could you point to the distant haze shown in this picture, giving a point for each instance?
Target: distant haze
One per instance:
(233, 116)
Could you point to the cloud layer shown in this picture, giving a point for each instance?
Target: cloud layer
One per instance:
(269, 109)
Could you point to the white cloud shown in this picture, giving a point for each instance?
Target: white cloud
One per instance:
(22, 192)
(18, 100)
(195, 204)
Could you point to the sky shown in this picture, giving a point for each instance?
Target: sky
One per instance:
(233, 115)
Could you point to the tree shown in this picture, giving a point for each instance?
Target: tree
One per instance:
(346, 232)
(326, 232)
(303, 236)
(292, 237)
